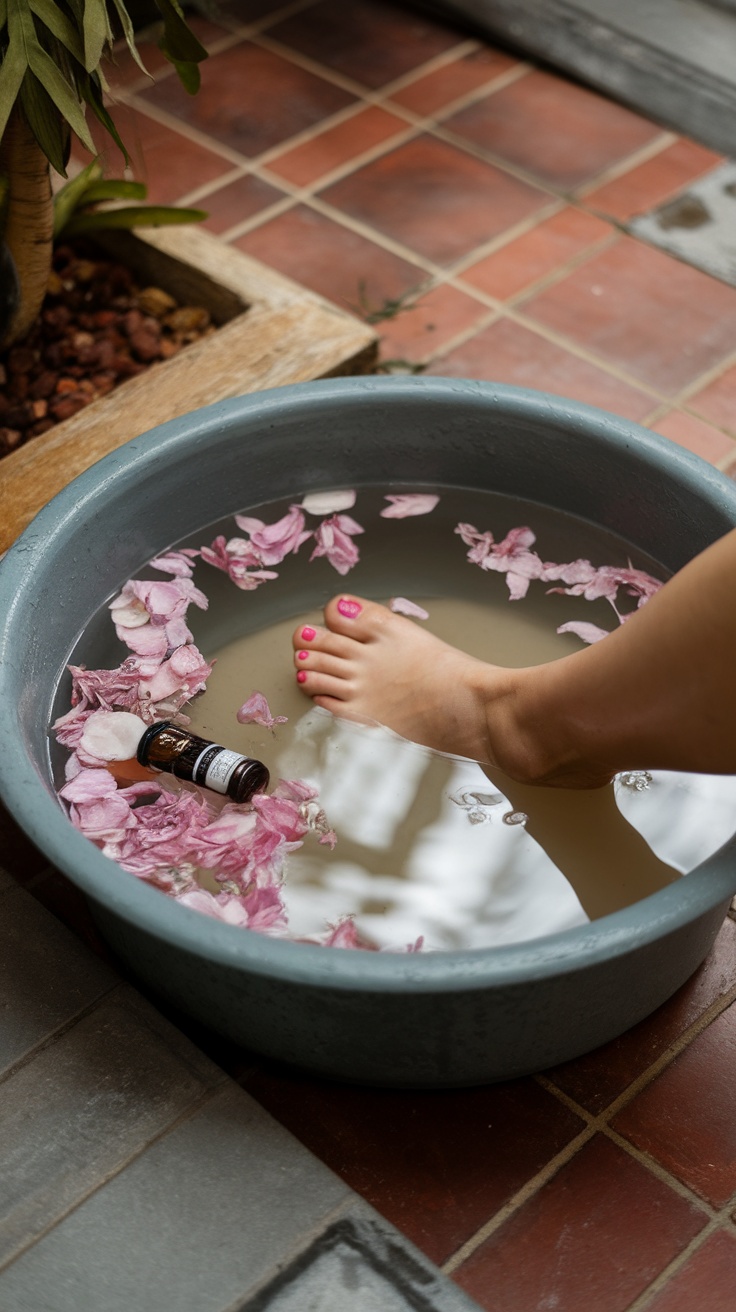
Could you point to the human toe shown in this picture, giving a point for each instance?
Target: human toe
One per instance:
(355, 617)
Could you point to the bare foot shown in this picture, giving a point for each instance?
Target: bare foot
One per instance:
(370, 664)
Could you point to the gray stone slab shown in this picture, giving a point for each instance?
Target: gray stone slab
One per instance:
(698, 226)
(77, 1112)
(198, 1221)
(46, 976)
(363, 1264)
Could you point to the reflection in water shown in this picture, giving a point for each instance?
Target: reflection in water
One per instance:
(435, 846)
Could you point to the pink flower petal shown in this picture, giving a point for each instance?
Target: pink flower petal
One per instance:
(257, 711)
(275, 541)
(328, 503)
(402, 606)
(334, 540)
(176, 562)
(111, 735)
(582, 629)
(406, 504)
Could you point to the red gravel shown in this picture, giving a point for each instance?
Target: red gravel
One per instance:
(96, 329)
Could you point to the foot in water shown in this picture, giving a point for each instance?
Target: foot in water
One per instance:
(369, 664)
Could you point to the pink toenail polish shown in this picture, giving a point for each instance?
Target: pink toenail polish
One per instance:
(308, 633)
(302, 655)
(301, 676)
(349, 608)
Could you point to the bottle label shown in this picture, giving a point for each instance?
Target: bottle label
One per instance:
(214, 767)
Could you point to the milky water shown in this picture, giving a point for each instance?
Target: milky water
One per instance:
(428, 844)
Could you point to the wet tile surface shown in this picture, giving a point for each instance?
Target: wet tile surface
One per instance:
(437, 1188)
(700, 438)
(337, 145)
(594, 1237)
(637, 308)
(331, 259)
(543, 250)
(560, 133)
(433, 91)
(716, 401)
(655, 180)
(290, 99)
(434, 198)
(686, 1119)
(368, 40)
(237, 201)
(507, 352)
(707, 1280)
(428, 323)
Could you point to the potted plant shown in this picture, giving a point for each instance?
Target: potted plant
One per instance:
(51, 67)
(270, 331)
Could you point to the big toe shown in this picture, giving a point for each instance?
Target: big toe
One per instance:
(355, 617)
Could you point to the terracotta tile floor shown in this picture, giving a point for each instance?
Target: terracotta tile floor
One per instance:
(393, 162)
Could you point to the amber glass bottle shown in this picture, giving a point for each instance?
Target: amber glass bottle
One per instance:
(165, 746)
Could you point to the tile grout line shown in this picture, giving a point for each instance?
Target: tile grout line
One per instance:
(523, 1195)
(638, 157)
(647, 1076)
(679, 1261)
(194, 1107)
(64, 1028)
(596, 1124)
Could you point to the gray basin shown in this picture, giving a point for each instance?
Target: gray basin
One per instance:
(430, 1020)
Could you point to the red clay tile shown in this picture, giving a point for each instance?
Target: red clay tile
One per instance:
(421, 329)
(332, 260)
(717, 400)
(542, 250)
(18, 855)
(336, 146)
(434, 198)
(706, 1281)
(560, 132)
(368, 40)
(650, 183)
(599, 1077)
(439, 88)
(250, 99)
(592, 1239)
(686, 1119)
(661, 320)
(505, 352)
(167, 161)
(695, 435)
(237, 201)
(435, 1164)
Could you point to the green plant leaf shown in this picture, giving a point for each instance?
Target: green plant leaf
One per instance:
(61, 93)
(133, 216)
(97, 32)
(179, 43)
(69, 196)
(53, 17)
(12, 71)
(3, 13)
(114, 189)
(45, 122)
(90, 90)
(129, 34)
(188, 74)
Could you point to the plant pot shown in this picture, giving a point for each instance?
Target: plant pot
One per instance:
(270, 332)
(435, 1019)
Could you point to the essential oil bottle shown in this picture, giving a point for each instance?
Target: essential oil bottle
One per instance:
(166, 746)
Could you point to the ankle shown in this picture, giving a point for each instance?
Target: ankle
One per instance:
(523, 740)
